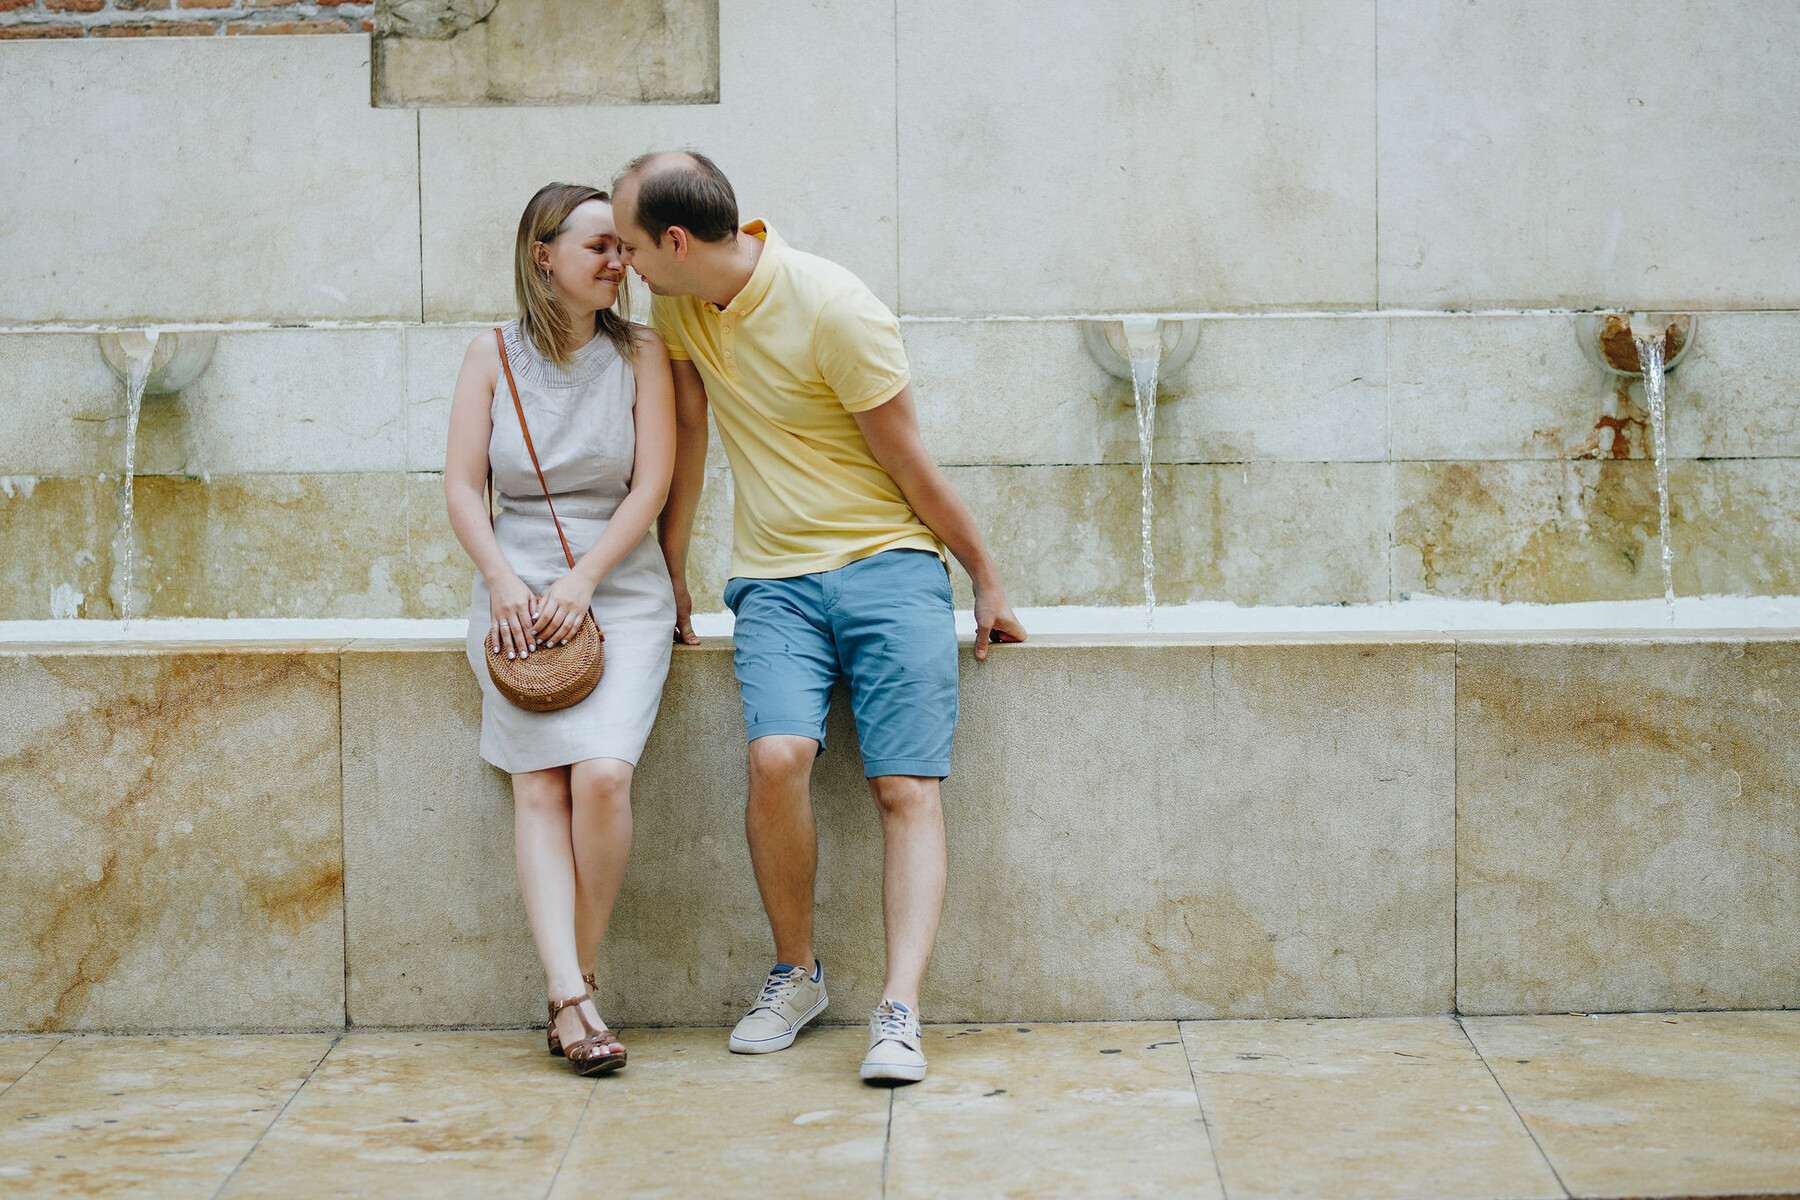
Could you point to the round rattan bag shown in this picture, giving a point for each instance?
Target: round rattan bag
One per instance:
(550, 677)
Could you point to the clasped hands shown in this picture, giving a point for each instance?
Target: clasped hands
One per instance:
(521, 621)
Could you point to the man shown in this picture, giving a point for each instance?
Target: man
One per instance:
(837, 566)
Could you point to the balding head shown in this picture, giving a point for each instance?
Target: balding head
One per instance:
(678, 188)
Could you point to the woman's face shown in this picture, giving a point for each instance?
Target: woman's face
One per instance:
(583, 259)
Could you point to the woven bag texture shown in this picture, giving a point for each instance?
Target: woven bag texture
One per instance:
(550, 677)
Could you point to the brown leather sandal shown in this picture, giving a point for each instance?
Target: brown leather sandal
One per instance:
(590, 1056)
(551, 1039)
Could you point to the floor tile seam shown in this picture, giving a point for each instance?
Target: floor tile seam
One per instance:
(887, 1143)
(343, 845)
(48, 1050)
(574, 1130)
(279, 1113)
(1517, 1115)
(1212, 1147)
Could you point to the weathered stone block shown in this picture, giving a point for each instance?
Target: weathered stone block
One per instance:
(172, 831)
(1238, 830)
(820, 170)
(1627, 829)
(1549, 532)
(1182, 158)
(479, 52)
(262, 185)
(1537, 155)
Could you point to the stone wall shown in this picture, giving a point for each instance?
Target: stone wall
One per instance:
(1325, 460)
(300, 836)
(1338, 438)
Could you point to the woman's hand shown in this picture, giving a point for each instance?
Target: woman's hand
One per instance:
(512, 609)
(559, 610)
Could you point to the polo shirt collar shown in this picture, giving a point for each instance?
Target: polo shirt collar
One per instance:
(764, 274)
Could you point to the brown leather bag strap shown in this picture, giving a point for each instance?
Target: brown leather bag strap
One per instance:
(530, 449)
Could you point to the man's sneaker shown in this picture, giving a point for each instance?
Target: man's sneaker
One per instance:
(790, 998)
(894, 1053)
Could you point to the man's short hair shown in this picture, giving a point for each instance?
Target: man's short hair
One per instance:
(686, 189)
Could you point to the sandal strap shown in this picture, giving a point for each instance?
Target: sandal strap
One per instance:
(556, 1007)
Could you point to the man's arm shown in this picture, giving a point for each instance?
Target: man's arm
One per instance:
(677, 523)
(892, 431)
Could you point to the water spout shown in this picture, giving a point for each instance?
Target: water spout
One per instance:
(1646, 345)
(1143, 340)
(140, 350)
(155, 363)
(1144, 350)
(1650, 355)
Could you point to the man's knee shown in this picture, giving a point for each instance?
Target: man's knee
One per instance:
(780, 760)
(905, 795)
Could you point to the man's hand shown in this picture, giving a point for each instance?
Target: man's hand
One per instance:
(684, 613)
(994, 621)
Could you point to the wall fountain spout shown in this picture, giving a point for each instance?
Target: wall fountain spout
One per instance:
(150, 362)
(1144, 350)
(1646, 346)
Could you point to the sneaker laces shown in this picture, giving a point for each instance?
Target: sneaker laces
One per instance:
(778, 988)
(893, 1025)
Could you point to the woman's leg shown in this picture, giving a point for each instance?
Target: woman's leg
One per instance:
(543, 850)
(601, 823)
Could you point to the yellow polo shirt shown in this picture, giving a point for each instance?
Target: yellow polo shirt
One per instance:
(785, 364)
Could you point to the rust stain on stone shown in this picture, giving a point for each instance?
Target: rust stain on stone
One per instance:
(295, 901)
(1212, 949)
(158, 837)
(1619, 344)
(1614, 433)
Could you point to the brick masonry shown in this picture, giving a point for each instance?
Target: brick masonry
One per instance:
(20, 19)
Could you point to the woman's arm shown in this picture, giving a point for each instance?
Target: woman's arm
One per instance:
(560, 609)
(465, 477)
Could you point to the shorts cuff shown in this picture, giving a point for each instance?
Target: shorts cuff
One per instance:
(795, 728)
(929, 768)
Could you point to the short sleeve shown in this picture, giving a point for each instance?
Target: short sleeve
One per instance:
(857, 348)
(664, 320)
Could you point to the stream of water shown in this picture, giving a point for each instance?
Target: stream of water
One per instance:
(1650, 358)
(135, 380)
(1146, 362)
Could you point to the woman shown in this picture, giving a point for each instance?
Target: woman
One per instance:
(597, 395)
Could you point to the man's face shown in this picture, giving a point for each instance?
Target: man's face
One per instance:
(658, 266)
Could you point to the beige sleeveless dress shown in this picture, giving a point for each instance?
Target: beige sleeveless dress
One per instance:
(581, 425)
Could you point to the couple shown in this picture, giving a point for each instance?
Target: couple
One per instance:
(837, 570)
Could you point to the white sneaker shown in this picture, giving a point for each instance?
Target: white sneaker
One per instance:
(894, 1052)
(788, 1001)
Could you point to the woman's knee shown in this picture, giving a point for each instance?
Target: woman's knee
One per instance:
(542, 793)
(604, 781)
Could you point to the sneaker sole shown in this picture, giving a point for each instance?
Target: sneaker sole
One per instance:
(892, 1073)
(780, 1041)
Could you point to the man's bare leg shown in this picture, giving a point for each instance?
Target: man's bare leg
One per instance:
(784, 840)
(914, 865)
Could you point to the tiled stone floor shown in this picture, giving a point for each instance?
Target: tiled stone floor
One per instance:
(1612, 1106)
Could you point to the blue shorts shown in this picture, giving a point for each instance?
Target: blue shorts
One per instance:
(885, 625)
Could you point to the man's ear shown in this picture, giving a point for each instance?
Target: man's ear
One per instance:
(683, 240)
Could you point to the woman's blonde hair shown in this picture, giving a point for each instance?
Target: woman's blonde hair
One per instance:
(541, 317)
